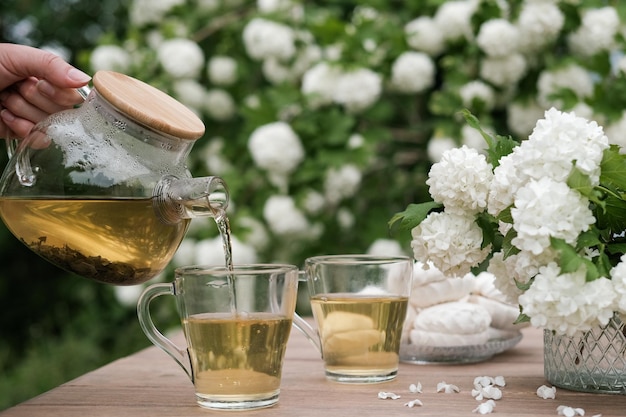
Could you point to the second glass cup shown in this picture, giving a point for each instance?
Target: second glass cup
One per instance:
(359, 304)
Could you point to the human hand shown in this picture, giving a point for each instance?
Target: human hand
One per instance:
(33, 84)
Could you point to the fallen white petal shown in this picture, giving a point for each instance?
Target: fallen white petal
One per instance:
(485, 408)
(546, 392)
(413, 403)
(482, 381)
(564, 410)
(388, 395)
(499, 381)
(415, 388)
(447, 388)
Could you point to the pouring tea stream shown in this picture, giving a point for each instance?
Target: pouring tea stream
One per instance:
(103, 190)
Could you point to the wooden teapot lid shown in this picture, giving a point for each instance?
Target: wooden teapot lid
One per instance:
(148, 105)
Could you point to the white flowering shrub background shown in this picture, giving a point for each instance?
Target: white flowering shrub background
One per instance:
(325, 117)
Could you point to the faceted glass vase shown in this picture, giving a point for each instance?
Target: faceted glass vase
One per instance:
(594, 361)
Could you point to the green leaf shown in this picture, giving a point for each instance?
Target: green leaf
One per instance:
(497, 146)
(414, 214)
(613, 168)
(489, 229)
(570, 261)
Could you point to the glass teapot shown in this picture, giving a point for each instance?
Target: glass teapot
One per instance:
(102, 190)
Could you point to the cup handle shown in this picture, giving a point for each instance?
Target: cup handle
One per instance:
(154, 335)
(302, 325)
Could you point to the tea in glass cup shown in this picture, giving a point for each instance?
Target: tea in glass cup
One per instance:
(359, 304)
(236, 325)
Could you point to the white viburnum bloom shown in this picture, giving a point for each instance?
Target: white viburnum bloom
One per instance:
(539, 24)
(213, 157)
(222, 70)
(254, 232)
(477, 91)
(618, 277)
(460, 181)
(345, 218)
(314, 202)
(355, 141)
(356, 90)
(191, 93)
(472, 138)
(424, 35)
(143, 12)
(110, 57)
(211, 252)
(437, 146)
(567, 303)
(275, 147)
(596, 32)
(572, 77)
(451, 242)
(265, 39)
(386, 247)
(498, 37)
(616, 132)
(319, 83)
(503, 71)
(522, 117)
(412, 72)
(342, 183)
(181, 58)
(283, 217)
(276, 72)
(454, 18)
(544, 209)
(220, 105)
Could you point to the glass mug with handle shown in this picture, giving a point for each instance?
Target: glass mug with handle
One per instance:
(359, 304)
(236, 324)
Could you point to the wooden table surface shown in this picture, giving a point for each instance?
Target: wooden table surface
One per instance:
(149, 383)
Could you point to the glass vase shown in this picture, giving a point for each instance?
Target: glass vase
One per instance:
(594, 361)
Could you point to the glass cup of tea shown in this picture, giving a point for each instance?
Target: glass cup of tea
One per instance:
(359, 304)
(236, 325)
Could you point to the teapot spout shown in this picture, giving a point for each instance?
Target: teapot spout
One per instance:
(175, 199)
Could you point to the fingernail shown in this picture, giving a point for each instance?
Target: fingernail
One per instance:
(7, 115)
(78, 75)
(45, 88)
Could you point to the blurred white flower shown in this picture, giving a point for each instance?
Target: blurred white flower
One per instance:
(255, 232)
(522, 117)
(572, 77)
(437, 146)
(412, 72)
(358, 89)
(214, 160)
(191, 93)
(186, 253)
(386, 247)
(319, 84)
(283, 217)
(220, 105)
(472, 138)
(423, 34)
(616, 132)
(355, 141)
(341, 183)
(181, 58)
(314, 202)
(276, 147)
(211, 252)
(266, 39)
(345, 218)
(110, 57)
(498, 37)
(477, 91)
(222, 70)
(539, 24)
(143, 12)
(503, 71)
(454, 18)
(128, 295)
(596, 33)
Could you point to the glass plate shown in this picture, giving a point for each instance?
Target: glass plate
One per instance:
(424, 355)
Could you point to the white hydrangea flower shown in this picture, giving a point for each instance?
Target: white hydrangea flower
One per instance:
(522, 117)
(472, 138)
(567, 303)
(503, 71)
(460, 180)
(341, 183)
(437, 146)
(345, 218)
(572, 77)
(454, 18)
(319, 84)
(545, 208)
(451, 242)
(618, 278)
(412, 72)
(477, 90)
(222, 70)
(596, 32)
(358, 89)
(220, 105)
(110, 57)
(386, 247)
(539, 23)
(264, 39)
(191, 93)
(355, 141)
(181, 58)
(423, 34)
(143, 12)
(498, 37)
(314, 202)
(276, 147)
(283, 217)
